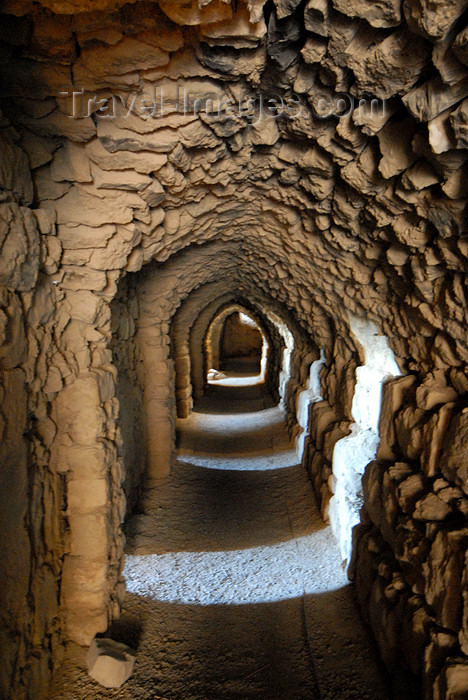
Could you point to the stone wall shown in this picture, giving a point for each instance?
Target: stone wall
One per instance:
(330, 419)
(191, 349)
(129, 389)
(409, 562)
(240, 339)
(411, 551)
(199, 358)
(187, 354)
(316, 216)
(268, 354)
(33, 500)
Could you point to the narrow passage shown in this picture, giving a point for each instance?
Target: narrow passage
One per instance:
(235, 588)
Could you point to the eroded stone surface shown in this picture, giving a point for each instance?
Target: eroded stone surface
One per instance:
(313, 217)
(110, 663)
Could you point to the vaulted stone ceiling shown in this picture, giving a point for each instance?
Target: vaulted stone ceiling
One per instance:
(372, 204)
(308, 210)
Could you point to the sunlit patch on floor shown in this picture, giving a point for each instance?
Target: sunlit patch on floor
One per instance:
(265, 574)
(250, 463)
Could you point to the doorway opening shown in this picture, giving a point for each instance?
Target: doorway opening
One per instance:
(236, 350)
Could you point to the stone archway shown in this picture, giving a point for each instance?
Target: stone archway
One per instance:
(320, 215)
(214, 340)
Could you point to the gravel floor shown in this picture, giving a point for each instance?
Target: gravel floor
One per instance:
(235, 586)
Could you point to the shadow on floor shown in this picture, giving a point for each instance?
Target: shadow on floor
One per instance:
(227, 427)
(239, 440)
(199, 510)
(305, 648)
(234, 399)
(241, 365)
(235, 589)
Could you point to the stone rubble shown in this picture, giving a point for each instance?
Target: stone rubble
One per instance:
(110, 663)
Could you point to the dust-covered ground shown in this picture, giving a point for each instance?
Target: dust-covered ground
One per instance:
(235, 588)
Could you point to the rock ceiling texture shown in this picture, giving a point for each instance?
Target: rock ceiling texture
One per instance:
(316, 210)
(373, 206)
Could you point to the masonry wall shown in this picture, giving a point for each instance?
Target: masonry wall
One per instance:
(33, 501)
(409, 562)
(411, 553)
(330, 419)
(129, 390)
(240, 340)
(320, 216)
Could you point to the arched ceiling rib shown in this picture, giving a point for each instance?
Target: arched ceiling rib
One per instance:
(215, 270)
(360, 214)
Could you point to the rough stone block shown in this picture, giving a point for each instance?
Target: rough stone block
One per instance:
(430, 99)
(110, 663)
(14, 172)
(432, 19)
(459, 120)
(19, 241)
(453, 461)
(452, 682)
(381, 14)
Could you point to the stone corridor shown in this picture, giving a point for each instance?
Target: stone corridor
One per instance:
(235, 588)
(190, 184)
